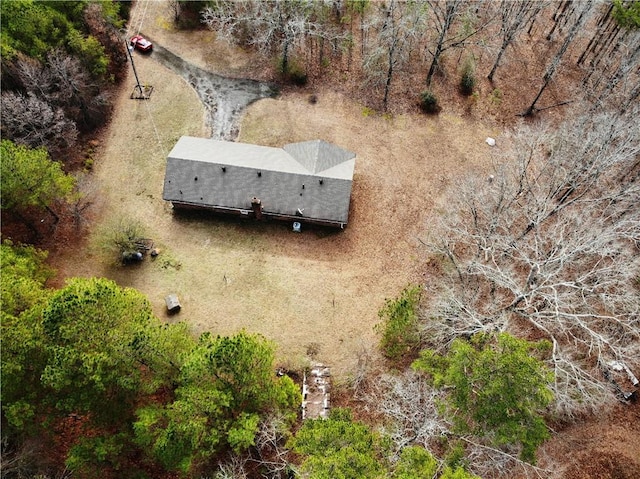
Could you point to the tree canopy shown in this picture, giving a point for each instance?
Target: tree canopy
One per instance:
(226, 385)
(31, 121)
(339, 448)
(496, 388)
(627, 14)
(416, 462)
(399, 328)
(36, 27)
(547, 245)
(90, 326)
(24, 273)
(30, 178)
(95, 350)
(22, 278)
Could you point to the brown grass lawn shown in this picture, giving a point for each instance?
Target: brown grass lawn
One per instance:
(318, 287)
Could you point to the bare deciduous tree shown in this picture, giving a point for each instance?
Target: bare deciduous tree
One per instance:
(399, 26)
(548, 247)
(268, 26)
(586, 9)
(64, 77)
(233, 468)
(71, 87)
(487, 461)
(269, 453)
(29, 74)
(619, 80)
(28, 120)
(412, 412)
(605, 24)
(63, 82)
(455, 22)
(561, 17)
(273, 432)
(514, 16)
(612, 67)
(411, 404)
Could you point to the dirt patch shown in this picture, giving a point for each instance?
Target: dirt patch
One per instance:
(603, 447)
(224, 99)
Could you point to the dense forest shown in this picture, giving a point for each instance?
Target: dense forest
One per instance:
(538, 290)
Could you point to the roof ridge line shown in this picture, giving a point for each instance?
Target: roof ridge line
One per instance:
(316, 156)
(296, 159)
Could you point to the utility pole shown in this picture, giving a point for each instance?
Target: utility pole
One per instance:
(138, 92)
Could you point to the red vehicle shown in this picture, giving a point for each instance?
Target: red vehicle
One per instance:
(140, 43)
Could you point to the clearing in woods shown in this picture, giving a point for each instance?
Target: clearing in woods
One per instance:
(317, 291)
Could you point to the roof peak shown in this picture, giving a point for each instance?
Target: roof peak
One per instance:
(318, 155)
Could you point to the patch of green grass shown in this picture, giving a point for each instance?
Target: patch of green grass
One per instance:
(496, 97)
(399, 324)
(367, 112)
(88, 164)
(166, 261)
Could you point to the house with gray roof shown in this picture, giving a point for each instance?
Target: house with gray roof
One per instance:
(307, 182)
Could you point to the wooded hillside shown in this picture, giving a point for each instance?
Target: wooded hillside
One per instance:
(527, 315)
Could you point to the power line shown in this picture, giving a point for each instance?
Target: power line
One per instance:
(144, 13)
(155, 129)
(131, 23)
(148, 107)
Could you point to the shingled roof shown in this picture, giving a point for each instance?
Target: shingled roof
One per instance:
(308, 181)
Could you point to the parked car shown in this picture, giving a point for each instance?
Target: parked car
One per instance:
(140, 43)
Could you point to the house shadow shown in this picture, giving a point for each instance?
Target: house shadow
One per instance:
(248, 224)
